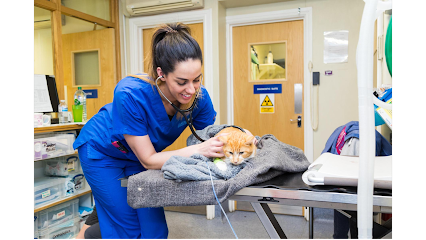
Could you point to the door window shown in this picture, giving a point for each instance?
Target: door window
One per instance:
(267, 61)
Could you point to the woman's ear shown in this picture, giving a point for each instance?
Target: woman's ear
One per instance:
(160, 73)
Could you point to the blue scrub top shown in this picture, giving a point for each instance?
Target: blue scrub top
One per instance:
(137, 109)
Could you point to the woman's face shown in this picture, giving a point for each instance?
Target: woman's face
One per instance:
(183, 82)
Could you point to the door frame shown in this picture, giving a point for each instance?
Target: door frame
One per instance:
(304, 14)
(138, 24)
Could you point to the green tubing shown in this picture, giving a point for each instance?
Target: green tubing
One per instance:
(388, 47)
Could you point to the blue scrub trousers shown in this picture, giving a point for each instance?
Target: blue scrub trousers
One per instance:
(116, 218)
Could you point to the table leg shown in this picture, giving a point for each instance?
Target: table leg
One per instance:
(268, 220)
(311, 223)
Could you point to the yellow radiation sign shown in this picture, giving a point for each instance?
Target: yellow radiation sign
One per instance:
(267, 103)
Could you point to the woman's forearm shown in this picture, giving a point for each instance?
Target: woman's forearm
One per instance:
(157, 160)
(151, 159)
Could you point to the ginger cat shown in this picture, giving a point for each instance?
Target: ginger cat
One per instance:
(238, 145)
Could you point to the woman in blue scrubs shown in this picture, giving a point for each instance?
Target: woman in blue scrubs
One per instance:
(143, 123)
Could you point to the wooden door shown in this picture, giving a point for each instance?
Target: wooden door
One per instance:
(247, 112)
(102, 42)
(197, 34)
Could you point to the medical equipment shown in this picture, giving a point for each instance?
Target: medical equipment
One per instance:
(190, 109)
(332, 169)
(214, 192)
(388, 47)
(74, 183)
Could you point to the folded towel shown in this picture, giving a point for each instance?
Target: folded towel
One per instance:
(195, 168)
(273, 158)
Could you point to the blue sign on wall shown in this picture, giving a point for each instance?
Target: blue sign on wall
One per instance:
(267, 88)
(91, 93)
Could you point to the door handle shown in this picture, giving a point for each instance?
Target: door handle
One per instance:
(298, 121)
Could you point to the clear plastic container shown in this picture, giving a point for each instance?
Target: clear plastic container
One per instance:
(62, 166)
(66, 230)
(36, 226)
(75, 183)
(59, 214)
(47, 190)
(53, 145)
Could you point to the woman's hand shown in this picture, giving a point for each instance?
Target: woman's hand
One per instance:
(212, 148)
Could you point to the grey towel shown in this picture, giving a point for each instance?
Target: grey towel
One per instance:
(195, 168)
(273, 158)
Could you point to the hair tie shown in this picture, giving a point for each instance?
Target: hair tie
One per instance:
(171, 31)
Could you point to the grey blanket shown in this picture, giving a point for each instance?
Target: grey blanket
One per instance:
(273, 158)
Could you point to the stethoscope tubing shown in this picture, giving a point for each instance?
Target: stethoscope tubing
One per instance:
(190, 110)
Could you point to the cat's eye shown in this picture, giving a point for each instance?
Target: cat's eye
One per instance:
(230, 153)
(241, 153)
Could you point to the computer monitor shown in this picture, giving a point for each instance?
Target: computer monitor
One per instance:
(53, 92)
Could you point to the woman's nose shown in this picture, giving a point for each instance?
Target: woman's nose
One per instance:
(190, 89)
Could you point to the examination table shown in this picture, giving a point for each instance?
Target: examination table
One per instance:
(289, 189)
(272, 176)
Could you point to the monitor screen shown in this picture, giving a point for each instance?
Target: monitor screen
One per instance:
(53, 92)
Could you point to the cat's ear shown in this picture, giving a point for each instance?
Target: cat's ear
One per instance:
(223, 139)
(250, 140)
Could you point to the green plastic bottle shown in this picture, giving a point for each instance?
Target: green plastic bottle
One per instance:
(80, 99)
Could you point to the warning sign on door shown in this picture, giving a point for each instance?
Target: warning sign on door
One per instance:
(267, 103)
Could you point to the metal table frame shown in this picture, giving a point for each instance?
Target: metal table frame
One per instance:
(260, 197)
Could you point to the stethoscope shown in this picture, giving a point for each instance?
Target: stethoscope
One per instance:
(183, 111)
(190, 109)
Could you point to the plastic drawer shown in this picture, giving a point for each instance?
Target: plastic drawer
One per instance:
(66, 230)
(56, 215)
(62, 166)
(48, 190)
